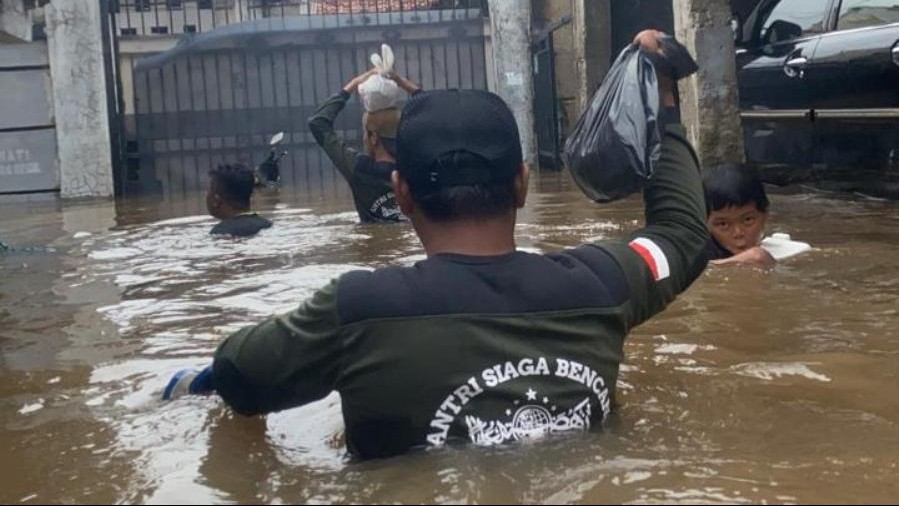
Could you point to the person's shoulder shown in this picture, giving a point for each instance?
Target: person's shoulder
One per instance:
(376, 279)
(262, 221)
(241, 226)
(596, 268)
(220, 228)
(252, 224)
(364, 295)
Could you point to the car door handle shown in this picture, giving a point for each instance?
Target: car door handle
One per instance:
(795, 67)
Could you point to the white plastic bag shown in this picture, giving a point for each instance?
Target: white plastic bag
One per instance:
(782, 247)
(380, 92)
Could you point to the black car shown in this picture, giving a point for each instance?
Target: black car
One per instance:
(819, 90)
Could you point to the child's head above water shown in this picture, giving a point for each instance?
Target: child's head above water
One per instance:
(738, 207)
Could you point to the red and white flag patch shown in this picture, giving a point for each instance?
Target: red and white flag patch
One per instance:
(654, 257)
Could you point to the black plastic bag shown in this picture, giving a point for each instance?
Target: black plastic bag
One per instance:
(616, 145)
(674, 61)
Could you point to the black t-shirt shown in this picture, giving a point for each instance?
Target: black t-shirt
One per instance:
(373, 192)
(245, 225)
(715, 251)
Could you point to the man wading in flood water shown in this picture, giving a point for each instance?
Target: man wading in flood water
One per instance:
(480, 342)
(368, 173)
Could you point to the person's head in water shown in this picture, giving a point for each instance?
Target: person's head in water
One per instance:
(460, 174)
(380, 133)
(230, 191)
(738, 207)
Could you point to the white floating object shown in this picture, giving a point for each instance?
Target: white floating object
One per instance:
(773, 371)
(782, 247)
(31, 408)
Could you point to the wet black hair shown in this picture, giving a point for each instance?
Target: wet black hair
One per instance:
(234, 183)
(466, 202)
(733, 185)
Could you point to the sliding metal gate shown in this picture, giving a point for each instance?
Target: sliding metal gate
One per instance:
(217, 97)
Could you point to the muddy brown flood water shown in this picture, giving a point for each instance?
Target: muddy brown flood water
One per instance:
(754, 387)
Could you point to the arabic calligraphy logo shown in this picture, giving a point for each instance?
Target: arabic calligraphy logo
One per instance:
(529, 422)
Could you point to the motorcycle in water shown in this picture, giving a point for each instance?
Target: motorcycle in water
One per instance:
(268, 173)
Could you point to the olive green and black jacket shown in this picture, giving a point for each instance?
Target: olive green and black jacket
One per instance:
(486, 350)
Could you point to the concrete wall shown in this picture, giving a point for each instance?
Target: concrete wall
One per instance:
(511, 37)
(74, 32)
(710, 99)
(27, 98)
(15, 22)
(28, 158)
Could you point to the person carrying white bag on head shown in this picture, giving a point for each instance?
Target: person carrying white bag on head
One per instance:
(368, 173)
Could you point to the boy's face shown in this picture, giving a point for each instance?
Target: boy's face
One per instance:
(738, 228)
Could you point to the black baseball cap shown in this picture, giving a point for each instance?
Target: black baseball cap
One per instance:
(437, 126)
